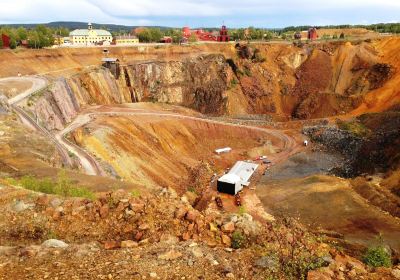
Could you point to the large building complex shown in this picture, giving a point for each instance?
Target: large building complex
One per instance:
(90, 36)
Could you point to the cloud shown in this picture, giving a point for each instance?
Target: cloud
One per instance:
(177, 12)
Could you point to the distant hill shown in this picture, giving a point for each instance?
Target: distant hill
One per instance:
(80, 25)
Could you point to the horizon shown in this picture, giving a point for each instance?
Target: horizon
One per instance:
(272, 14)
(99, 24)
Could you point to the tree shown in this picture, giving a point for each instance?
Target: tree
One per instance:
(155, 34)
(193, 38)
(144, 35)
(13, 43)
(21, 33)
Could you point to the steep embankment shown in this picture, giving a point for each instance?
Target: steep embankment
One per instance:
(387, 96)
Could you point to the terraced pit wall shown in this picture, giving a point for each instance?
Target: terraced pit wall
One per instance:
(303, 81)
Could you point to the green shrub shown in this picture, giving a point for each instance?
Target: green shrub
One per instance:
(377, 256)
(237, 240)
(62, 186)
(355, 127)
(242, 210)
(247, 72)
(234, 82)
(135, 193)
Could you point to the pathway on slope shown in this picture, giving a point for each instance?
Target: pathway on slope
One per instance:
(37, 84)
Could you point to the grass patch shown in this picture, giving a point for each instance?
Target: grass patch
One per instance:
(247, 72)
(233, 83)
(242, 210)
(62, 186)
(237, 240)
(311, 180)
(135, 193)
(354, 127)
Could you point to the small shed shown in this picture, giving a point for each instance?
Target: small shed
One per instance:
(229, 183)
(112, 64)
(237, 177)
(223, 150)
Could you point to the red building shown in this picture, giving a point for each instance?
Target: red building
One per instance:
(186, 32)
(6, 41)
(223, 34)
(202, 35)
(312, 34)
(166, 40)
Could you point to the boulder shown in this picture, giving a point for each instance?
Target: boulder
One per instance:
(213, 227)
(226, 240)
(197, 252)
(268, 262)
(129, 244)
(180, 212)
(170, 255)
(110, 245)
(138, 235)
(54, 243)
(104, 210)
(186, 236)
(21, 206)
(228, 227)
(56, 202)
(43, 200)
(192, 215)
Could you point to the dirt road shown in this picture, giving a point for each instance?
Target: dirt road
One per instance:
(38, 83)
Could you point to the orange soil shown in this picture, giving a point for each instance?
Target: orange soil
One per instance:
(387, 96)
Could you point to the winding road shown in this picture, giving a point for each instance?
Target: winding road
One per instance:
(87, 161)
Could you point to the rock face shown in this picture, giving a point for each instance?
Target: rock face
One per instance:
(282, 80)
(198, 82)
(67, 96)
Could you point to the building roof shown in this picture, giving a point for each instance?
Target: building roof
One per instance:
(230, 178)
(85, 32)
(221, 150)
(110, 59)
(242, 170)
(125, 37)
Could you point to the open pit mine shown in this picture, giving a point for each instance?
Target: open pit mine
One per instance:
(208, 161)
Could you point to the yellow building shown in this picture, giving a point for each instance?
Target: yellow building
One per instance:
(126, 40)
(90, 36)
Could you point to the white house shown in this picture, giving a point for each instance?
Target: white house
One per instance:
(90, 36)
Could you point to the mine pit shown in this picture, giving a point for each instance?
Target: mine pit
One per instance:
(160, 151)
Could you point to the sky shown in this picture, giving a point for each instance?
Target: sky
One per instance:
(202, 13)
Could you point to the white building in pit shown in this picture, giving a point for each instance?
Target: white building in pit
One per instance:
(236, 178)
